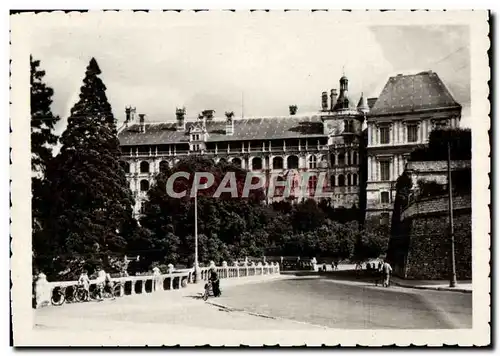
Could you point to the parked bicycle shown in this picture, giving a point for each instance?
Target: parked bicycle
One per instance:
(70, 294)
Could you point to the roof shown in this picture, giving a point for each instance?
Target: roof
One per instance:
(371, 102)
(409, 93)
(244, 129)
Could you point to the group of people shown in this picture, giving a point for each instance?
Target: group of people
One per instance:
(102, 281)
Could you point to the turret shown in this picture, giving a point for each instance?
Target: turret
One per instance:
(142, 122)
(363, 105)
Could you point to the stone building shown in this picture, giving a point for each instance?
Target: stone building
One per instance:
(407, 110)
(327, 141)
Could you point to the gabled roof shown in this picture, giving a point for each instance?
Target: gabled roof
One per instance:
(410, 93)
(244, 129)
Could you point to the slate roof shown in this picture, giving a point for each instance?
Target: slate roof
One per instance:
(244, 129)
(409, 93)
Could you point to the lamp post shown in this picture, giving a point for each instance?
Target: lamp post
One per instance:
(197, 272)
(453, 274)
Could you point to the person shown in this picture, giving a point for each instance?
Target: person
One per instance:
(214, 279)
(84, 282)
(108, 283)
(100, 281)
(336, 265)
(386, 271)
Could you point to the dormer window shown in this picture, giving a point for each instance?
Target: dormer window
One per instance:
(195, 137)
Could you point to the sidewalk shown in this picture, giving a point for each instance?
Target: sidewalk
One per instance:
(462, 286)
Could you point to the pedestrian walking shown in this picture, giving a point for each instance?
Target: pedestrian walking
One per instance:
(386, 271)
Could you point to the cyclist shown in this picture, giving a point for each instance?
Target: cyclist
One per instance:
(100, 282)
(84, 282)
(108, 283)
(214, 279)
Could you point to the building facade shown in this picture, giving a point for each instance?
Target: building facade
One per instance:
(362, 165)
(328, 141)
(408, 109)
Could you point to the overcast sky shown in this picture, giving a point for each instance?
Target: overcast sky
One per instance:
(211, 63)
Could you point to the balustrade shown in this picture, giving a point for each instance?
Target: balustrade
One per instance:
(155, 282)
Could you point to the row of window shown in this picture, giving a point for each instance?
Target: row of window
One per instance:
(411, 134)
(144, 166)
(340, 159)
(341, 181)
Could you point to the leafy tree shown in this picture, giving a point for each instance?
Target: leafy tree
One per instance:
(90, 217)
(307, 216)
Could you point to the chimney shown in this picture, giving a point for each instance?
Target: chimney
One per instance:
(208, 114)
(333, 98)
(229, 123)
(324, 101)
(180, 114)
(142, 123)
(127, 114)
(292, 109)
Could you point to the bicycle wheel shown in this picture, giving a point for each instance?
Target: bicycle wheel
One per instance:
(205, 295)
(81, 295)
(117, 291)
(58, 297)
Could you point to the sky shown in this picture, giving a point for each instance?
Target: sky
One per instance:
(258, 66)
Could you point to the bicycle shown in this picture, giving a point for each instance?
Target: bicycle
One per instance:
(60, 295)
(208, 291)
(106, 292)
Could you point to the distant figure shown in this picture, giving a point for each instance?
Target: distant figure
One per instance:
(100, 281)
(386, 270)
(336, 265)
(214, 278)
(84, 282)
(324, 267)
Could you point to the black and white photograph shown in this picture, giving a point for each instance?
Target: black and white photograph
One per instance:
(227, 178)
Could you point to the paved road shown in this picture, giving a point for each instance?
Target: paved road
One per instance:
(338, 304)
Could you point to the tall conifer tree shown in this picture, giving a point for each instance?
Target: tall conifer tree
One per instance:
(91, 211)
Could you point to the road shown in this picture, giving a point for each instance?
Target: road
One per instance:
(352, 305)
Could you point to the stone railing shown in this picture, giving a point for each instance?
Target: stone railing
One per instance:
(155, 282)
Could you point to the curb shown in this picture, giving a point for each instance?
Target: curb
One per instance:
(232, 309)
(443, 289)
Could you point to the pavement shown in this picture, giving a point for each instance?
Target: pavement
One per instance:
(274, 303)
(462, 286)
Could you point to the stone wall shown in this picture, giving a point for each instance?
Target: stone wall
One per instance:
(427, 230)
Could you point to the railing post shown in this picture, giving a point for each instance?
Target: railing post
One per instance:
(132, 291)
(237, 267)
(253, 268)
(156, 279)
(226, 271)
(42, 291)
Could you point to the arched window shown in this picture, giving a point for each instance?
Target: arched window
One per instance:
(257, 163)
(313, 182)
(341, 159)
(163, 166)
(312, 161)
(341, 180)
(125, 166)
(332, 159)
(354, 179)
(144, 167)
(236, 162)
(348, 158)
(144, 185)
(332, 181)
(349, 179)
(142, 208)
(355, 158)
(278, 163)
(292, 162)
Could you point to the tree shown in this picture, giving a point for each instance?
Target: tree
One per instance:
(43, 120)
(43, 139)
(90, 217)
